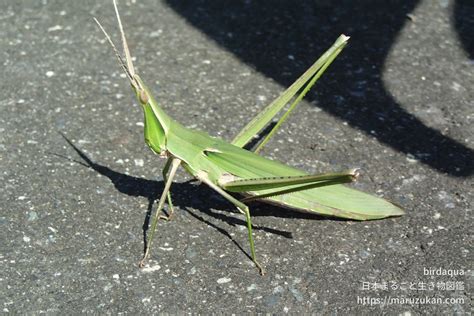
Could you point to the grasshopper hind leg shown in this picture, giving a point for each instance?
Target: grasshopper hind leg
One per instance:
(244, 210)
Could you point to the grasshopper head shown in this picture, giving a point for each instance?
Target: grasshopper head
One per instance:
(156, 121)
(141, 91)
(126, 62)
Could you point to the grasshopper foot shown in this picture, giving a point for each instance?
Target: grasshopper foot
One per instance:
(166, 218)
(141, 264)
(260, 269)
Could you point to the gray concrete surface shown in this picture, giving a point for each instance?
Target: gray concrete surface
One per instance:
(398, 103)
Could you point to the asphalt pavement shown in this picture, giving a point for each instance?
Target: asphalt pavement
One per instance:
(77, 180)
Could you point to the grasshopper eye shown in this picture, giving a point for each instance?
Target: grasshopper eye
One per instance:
(143, 96)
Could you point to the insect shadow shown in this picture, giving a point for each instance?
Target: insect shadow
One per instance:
(187, 195)
(464, 23)
(281, 38)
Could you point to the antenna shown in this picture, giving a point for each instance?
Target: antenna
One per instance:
(120, 59)
(126, 51)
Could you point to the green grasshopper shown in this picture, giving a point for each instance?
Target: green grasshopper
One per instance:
(228, 168)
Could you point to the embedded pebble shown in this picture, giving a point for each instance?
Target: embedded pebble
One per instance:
(251, 287)
(32, 216)
(271, 300)
(166, 248)
(224, 280)
(156, 33)
(448, 199)
(55, 28)
(442, 195)
(139, 162)
(278, 289)
(415, 178)
(456, 86)
(444, 3)
(190, 253)
(297, 294)
(26, 239)
(50, 73)
(151, 268)
(411, 159)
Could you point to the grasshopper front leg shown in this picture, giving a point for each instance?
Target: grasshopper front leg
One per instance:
(175, 162)
(170, 202)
